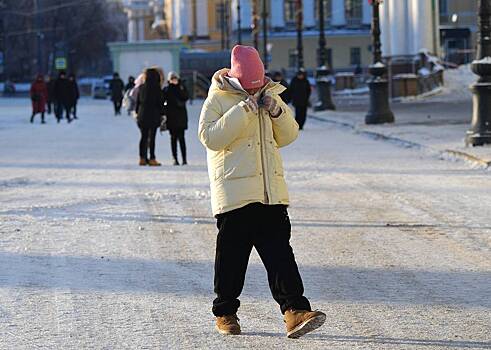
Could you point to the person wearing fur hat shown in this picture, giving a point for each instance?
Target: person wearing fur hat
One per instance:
(176, 95)
(243, 123)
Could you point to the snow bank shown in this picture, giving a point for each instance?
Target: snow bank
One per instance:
(457, 82)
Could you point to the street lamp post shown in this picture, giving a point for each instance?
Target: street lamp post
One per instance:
(265, 34)
(255, 24)
(480, 132)
(323, 73)
(379, 112)
(239, 24)
(299, 20)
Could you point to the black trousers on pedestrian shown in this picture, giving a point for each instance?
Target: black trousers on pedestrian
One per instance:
(147, 142)
(117, 106)
(266, 228)
(301, 115)
(60, 108)
(175, 136)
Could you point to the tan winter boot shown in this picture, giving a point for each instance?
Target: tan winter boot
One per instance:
(228, 325)
(301, 322)
(142, 162)
(154, 162)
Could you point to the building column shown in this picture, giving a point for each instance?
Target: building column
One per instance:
(202, 10)
(132, 28)
(308, 13)
(277, 14)
(367, 13)
(141, 29)
(338, 13)
(385, 27)
(422, 26)
(399, 29)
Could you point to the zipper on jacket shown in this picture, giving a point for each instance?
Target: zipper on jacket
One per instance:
(263, 163)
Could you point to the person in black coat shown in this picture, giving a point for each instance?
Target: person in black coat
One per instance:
(149, 109)
(62, 94)
(117, 93)
(50, 83)
(130, 85)
(300, 93)
(285, 95)
(74, 95)
(175, 96)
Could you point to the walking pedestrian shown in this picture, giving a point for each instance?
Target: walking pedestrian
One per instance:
(242, 124)
(62, 94)
(175, 96)
(285, 95)
(117, 91)
(74, 95)
(130, 85)
(50, 82)
(149, 108)
(39, 97)
(300, 91)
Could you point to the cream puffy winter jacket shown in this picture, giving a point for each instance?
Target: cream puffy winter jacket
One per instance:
(244, 163)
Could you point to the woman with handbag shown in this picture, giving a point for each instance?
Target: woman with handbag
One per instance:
(149, 109)
(176, 95)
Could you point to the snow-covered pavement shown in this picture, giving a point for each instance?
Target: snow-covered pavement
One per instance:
(98, 253)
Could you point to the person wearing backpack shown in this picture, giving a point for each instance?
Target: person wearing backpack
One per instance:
(242, 125)
(39, 97)
(149, 109)
(175, 96)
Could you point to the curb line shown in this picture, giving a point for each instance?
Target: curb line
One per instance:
(405, 143)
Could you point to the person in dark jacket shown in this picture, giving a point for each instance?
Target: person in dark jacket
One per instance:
(117, 93)
(175, 96)
(130, 85)
(74, 95)
(62, 93)
(149, 109)
(39, 96)
(50, 83)
(285, 95)
(300, 92)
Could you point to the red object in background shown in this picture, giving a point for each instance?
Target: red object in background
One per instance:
(39, 95)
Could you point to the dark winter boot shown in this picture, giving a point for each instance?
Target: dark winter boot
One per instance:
(42, 119)
(176, 162)
(301, 322)
(228, 325)
(32, 119)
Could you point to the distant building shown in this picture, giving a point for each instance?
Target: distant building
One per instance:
(458, 27)
(212, 26)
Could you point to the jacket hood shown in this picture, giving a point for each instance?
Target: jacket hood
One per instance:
(219, 82)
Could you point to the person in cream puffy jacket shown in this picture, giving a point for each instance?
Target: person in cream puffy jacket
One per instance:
(243, 124)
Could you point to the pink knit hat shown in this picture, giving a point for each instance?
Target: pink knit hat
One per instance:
(247, 67)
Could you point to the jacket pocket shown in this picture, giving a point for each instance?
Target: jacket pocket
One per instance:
(278, 161)
(240, 160)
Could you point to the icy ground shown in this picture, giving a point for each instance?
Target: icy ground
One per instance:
(98, 253)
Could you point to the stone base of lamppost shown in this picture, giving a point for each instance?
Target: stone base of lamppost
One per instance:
(324, 83)
(324, 94)
(379, 112)
(480, 132)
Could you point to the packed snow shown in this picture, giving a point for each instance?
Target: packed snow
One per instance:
(99, 253)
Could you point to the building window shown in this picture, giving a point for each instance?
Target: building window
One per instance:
(222, 13)
(443, 7)
(355, 56)
(327, 11)
(354, 12)
(289, 11)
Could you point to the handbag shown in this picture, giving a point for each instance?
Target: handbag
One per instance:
(163, 124)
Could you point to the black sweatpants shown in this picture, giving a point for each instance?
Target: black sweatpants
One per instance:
(266, 228)
(147, 141)
(301, 115)
(175, 136)
(60, 108)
